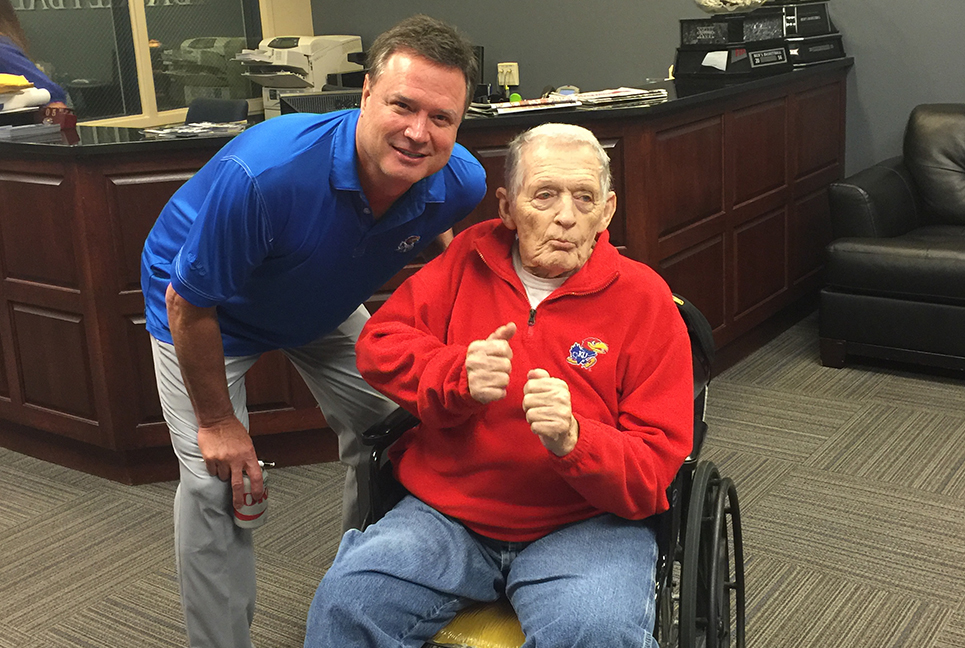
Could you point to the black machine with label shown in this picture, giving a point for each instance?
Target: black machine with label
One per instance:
(742, 59)
(775, 38)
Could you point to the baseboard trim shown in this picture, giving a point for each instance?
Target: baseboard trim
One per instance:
(147, 465)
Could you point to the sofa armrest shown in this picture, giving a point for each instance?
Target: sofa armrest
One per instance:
(880, 201)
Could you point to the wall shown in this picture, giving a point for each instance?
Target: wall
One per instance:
(905, 52)
(591, 45)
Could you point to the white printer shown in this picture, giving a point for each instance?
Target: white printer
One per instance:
(297, 64)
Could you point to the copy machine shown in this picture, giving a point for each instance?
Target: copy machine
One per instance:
(287, 64)
(203, 66)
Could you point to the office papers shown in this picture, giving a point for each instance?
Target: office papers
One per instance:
(523, 105)
(717, 60)
(198, 129)
(35, 132)
(620, 95)
(253, 56)
(584, 100)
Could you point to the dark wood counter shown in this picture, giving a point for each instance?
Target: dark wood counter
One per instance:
(77, 384)
(723, 190)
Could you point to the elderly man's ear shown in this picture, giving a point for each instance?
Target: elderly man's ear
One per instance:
(608, 211)
(505, 213)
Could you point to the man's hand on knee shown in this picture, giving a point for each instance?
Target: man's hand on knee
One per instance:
(228, 453)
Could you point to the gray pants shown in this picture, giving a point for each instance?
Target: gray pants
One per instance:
(215, 558)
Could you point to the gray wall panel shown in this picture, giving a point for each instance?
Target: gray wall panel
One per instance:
(905, 52)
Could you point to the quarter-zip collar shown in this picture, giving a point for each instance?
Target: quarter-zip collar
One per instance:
(597, 273)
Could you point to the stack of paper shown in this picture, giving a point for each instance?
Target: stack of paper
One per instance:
(197, 129)
(524, 105)
(621, 95)
(253, 56)
(597, 99)
(34, 132)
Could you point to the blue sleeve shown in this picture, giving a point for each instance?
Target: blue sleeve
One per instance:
(229, 238)
(470, 179)
(14, 61)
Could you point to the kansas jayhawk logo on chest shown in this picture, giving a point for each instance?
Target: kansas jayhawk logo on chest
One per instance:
(584, 354)
(408, 244)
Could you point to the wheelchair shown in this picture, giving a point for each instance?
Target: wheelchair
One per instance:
(699, 589)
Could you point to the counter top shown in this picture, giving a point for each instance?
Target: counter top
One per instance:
(99, 140)
(681, 94)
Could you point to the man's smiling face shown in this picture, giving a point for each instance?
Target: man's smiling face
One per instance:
(408, 122)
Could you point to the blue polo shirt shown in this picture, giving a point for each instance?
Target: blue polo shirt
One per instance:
(276, 232)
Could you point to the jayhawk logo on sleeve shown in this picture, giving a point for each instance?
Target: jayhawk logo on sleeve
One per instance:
(584, 354)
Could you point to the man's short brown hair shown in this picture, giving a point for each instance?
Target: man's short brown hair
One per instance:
(429, 38)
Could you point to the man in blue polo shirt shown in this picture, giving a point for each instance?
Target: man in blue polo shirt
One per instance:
(275, 244)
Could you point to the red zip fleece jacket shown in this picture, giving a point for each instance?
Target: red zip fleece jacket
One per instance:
(611, 331)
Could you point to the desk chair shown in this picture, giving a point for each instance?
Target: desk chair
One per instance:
(204, 109)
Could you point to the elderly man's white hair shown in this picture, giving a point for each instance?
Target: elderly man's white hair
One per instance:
(556, 134)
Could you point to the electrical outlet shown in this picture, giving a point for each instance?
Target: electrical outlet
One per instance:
(507, 74)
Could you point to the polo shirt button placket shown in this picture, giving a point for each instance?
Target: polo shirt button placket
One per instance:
(360, 248)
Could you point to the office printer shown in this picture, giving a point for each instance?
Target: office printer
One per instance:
(298, 64)
(203, 66)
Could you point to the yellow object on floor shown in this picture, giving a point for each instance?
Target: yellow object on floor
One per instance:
(483, 625)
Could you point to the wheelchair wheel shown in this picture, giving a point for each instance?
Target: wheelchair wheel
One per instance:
(712, 576)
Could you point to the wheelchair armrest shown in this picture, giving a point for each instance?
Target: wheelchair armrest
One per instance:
(388, 430)
(384, 491)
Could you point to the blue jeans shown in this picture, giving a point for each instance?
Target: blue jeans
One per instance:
(396, 584)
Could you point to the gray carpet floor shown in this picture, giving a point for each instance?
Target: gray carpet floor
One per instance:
(852, 485)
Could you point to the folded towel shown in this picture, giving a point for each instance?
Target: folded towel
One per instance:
(13, 83)
(29, 98)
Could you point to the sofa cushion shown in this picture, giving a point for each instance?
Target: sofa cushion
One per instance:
(926, 264)
(934, 152)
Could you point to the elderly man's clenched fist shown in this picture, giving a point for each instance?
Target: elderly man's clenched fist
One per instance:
(546, 402)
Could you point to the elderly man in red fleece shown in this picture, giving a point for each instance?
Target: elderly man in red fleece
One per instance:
(553, 381)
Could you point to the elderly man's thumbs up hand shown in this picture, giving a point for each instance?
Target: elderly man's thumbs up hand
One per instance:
(488, 364)
(546, 403)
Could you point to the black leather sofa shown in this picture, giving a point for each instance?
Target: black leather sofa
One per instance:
(895, 278)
